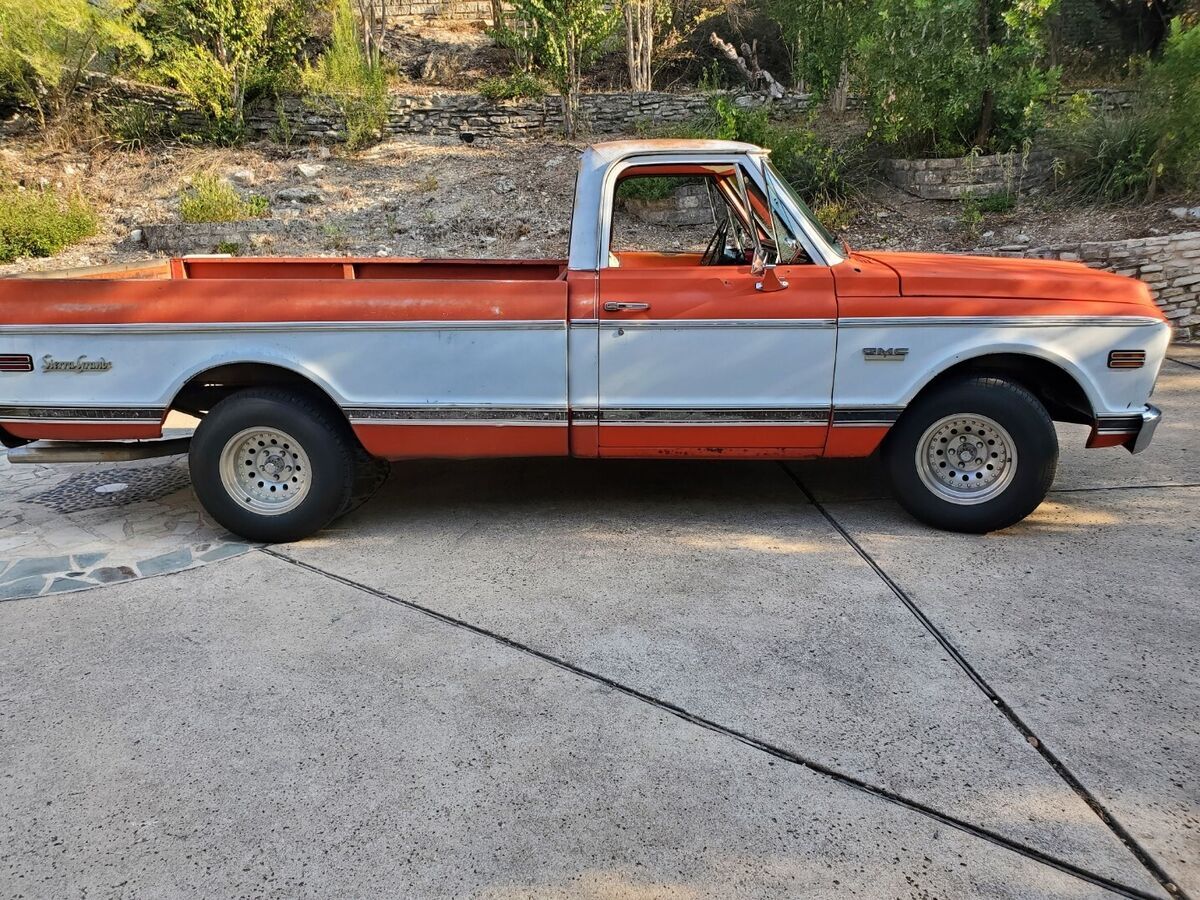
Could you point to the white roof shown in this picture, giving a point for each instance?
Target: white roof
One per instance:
(611, 151)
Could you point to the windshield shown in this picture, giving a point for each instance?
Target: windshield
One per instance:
(812, 224)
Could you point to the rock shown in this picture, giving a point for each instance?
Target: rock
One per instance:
(299, 194)
(323, 152)
(1022, 239)
(137, 236)
(243, 177)
(504, 185)
(555, 161)
(310, 170)
(1183, 212)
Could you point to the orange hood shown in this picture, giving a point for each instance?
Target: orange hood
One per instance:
(948, 275)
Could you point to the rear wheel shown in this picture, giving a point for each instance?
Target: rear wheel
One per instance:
(272, 465)
(974, 455)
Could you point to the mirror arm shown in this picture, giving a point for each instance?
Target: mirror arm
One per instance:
(770, 281)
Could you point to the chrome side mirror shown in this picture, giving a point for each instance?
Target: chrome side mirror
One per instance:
(764, 271)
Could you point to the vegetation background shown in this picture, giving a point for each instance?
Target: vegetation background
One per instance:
(887, 78)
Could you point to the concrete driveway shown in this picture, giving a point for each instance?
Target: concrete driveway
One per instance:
(555, 678)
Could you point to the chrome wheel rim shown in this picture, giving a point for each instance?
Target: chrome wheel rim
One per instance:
(265, 470)
(966, 458)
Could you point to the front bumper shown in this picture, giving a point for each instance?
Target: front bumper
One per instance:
(1133, 431)
(1150, 419)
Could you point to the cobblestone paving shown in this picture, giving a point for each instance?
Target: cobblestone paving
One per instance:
(72, 527)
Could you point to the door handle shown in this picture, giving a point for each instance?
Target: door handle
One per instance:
(618, 306)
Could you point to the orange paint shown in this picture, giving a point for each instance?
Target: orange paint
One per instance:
(462, 441)
(850, 441)
(82, 431)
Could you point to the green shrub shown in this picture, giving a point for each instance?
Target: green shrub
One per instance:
(46, 46)
(1112, 156)
(1131, 154)
(516, 86)
(224, 54)
(1172, 86)
(971, 218)
(209, 199)
(819, 171)
(997, 203)
(657, 188)
(946, 77)
(40, 223)
(135, 126)
(351, 80)
(562, 38)
(835, 215)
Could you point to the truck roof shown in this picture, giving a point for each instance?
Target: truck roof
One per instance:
(607, 152)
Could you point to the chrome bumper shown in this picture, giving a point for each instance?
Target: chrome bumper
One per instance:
(1150, 419)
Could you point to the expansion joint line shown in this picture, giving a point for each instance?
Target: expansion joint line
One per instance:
(749, 740)
(1183, 362)
(1122, 834)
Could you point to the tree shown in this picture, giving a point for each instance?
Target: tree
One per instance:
(350, 76)
(223, 53)
(564, 37)
(823, 34)
(639, 42)
(47, 47)
(954, 74)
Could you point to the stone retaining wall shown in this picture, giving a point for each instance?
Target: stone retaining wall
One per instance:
(451, 114)
(687, 205)
(1169, 264)
(969, 176)
(445, 10)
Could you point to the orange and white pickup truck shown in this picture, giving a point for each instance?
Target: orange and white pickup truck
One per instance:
(767, 339)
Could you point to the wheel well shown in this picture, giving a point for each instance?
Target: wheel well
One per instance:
(1057, 390)
(205, 390)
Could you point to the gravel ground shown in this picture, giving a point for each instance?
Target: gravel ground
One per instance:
(441, 197)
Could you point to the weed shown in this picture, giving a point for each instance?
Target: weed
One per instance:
(40, 223)
(209, 199)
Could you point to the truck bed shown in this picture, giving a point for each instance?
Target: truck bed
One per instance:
(231, 290)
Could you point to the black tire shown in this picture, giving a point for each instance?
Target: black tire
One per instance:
(1013, 496)
(324, 438)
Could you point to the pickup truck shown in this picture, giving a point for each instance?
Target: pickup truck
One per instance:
(772, 341)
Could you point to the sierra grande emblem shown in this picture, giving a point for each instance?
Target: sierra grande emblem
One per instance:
(79, 364)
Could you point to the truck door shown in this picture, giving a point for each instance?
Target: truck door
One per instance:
(695, 357)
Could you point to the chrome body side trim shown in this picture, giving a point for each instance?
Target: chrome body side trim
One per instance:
(455, 415)
(865, 416)
(289, 327)
(1002, 321)
(676, 324)
(713, 416)
(105, 414)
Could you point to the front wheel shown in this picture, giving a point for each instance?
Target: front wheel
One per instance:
(974, 455)
(272, 465)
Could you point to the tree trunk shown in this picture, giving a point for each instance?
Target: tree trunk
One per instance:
(497, 13)
(571, 94)
(839, 98)
(639, 42)
(747, 64)
(987, 102)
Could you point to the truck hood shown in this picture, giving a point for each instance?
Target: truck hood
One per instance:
(947, 275)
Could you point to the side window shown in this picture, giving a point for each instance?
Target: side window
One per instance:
(668, 214)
